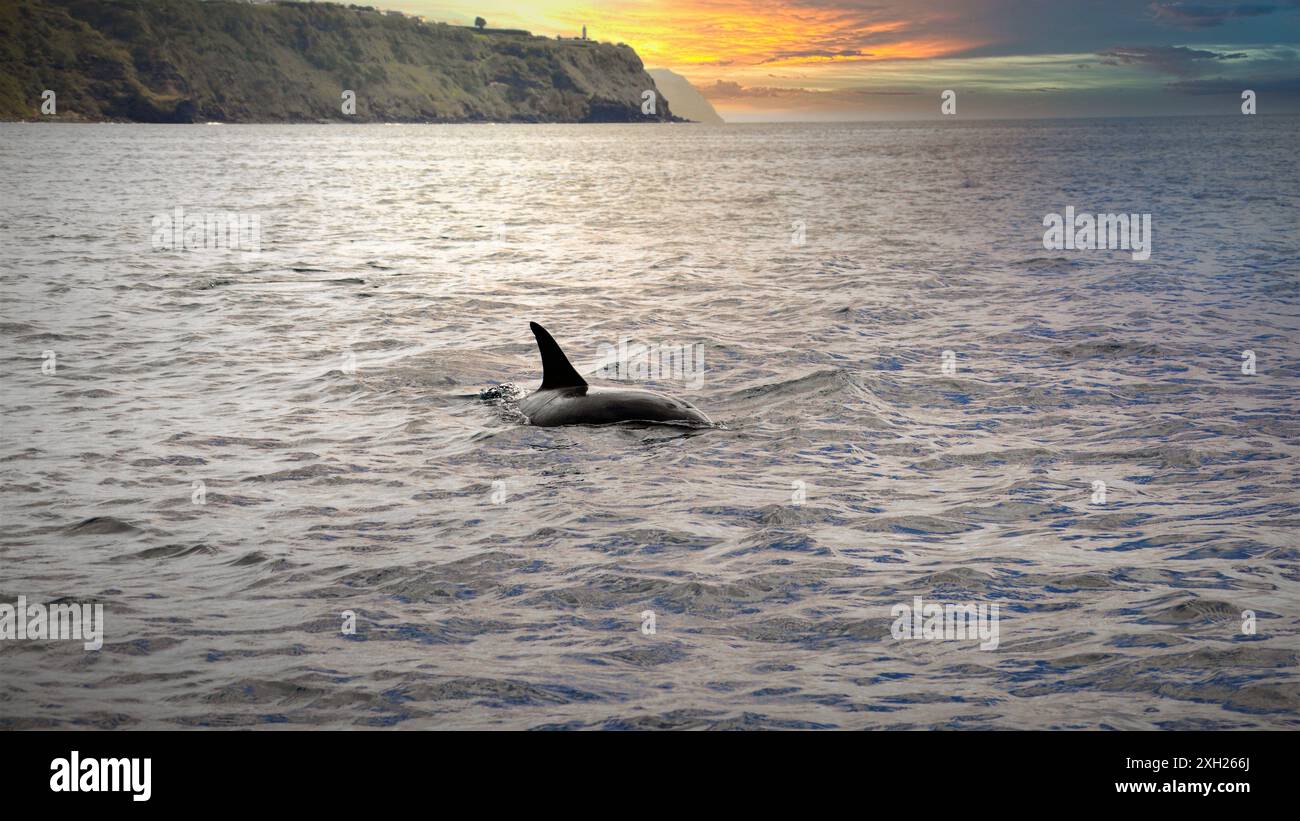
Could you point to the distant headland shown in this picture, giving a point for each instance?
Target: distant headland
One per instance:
(183, 61)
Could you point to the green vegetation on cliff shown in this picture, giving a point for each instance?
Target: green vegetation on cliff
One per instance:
(192, 61)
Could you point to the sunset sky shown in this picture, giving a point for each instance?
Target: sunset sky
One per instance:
(891, 59)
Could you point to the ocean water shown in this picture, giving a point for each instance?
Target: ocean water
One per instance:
(229, 449)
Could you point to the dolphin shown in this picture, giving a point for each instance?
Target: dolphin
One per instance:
(564, 397)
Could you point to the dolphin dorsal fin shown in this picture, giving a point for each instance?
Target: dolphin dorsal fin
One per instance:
(557, 372)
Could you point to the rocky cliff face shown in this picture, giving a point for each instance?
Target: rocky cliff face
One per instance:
(192, 61)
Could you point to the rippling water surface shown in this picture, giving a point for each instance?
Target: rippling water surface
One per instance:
(499, 572)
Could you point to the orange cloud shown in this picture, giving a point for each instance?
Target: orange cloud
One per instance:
(706, 39)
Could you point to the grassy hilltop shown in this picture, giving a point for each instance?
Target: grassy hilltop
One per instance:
(223, 60)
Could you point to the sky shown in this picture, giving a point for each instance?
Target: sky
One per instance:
(893, 59)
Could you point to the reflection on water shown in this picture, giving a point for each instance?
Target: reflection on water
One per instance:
(236, 448)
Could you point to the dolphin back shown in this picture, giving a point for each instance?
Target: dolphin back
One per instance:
(604, 406)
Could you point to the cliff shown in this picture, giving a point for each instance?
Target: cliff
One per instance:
(228, 61)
